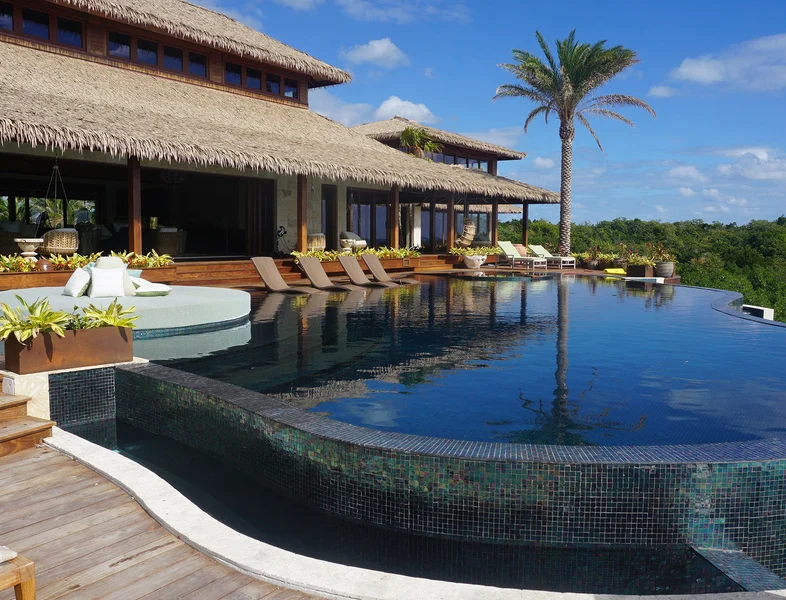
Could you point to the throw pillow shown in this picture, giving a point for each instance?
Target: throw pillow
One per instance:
(77, 284)
(106, 283)
(153, 289)
(138, 281)
(113, 262)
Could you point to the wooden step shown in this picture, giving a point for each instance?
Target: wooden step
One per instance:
(13, 407)
(23, 433)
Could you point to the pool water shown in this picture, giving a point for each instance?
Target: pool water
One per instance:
(577, 361)
(233, 498)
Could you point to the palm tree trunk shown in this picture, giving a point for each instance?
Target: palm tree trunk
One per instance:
(566, 133)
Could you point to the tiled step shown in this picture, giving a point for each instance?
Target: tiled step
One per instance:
(13, 407)
(22, 433)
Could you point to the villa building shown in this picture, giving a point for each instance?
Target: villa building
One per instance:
(179, 129)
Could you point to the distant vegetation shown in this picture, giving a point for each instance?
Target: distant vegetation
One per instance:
(750, 259)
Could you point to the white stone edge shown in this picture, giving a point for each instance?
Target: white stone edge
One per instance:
(280, 567)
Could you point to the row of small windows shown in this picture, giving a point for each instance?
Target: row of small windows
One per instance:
(157, 55)
(36, 23)
(462, 161)
(254, 79)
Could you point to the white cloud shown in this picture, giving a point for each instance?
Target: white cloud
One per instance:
(686, 192)
(300, 4)
(662, 91)
(751, 167)
(382, 53)
(502, 136)
(660, 208)
(428, 73)
(687, 173)
(760, 152)
(354, 113)
(395, 106)
(713, 208)
(758, 64)
(404, 11)
(711, 193)
(543, 163)
(737, 201)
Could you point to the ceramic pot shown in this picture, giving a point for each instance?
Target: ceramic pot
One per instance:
(592, 264)
(474, 262)
(664, 269)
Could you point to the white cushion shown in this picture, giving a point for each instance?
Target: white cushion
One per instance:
(113, 262)
(153, 289)
(6, 554)
(77, 284)
(107, 283)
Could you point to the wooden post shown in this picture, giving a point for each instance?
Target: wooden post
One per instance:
(451, 234)
(494, 233)
(134, 205)
(393, 217)
(432, 224)
(525, 224)
(301, 233)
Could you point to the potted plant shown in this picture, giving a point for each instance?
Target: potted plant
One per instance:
(592, 258)
(640, 266)
(39, 339)
(665, 262)
(475, 256)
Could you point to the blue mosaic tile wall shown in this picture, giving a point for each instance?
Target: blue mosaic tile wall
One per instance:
(79, 397)
(717, 497)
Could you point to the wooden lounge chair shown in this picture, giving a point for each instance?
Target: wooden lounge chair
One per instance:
(511, 257)
(551, 260)
(268, 271)
(379, 273)
(318, 278)
(17, 572)
(356, 275)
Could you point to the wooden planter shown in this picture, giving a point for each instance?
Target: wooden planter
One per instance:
(82, 348)
(640, 271)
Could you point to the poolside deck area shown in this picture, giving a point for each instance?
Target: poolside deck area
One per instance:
(90, 539)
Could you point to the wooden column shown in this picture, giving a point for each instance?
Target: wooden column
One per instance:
(301, 233)
(393, 233)
(134, 205)
(494, 225)
(525, 225)
(451, 233)
(432, 224)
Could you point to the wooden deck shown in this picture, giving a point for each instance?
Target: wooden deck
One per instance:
(89, 539)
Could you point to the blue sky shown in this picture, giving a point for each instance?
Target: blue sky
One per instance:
(715, 72)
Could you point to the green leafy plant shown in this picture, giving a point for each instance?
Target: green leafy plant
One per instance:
(13, 263)
(418, 142)
(383, 252)
(113, 315)
(638, 260)
(28, 320)
(73, 262)
(151, 260)
(476, 251)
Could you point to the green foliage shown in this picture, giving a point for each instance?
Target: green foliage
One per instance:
(113, 315)
(476, 251)
(750, 259)
(28, 320)
(73, 262)
(418, 142)
(382, 252)
(151, 260)
(15, 264)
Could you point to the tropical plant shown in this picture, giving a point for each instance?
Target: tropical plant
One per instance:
(418, 142)
(638, 260)
(476, 251)
(567, 86)
(382, 252)
(28, 320)
(15, 264)
(113, 315)
(75, 261)
(150, 260)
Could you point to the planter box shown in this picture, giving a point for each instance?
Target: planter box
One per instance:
(82, 348)
(640, 271)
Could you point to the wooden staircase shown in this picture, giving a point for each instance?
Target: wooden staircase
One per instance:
(18, 431)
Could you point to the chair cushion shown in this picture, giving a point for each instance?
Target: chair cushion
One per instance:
(153, 289)
(107, 283)
(522, 249)
(77, 284)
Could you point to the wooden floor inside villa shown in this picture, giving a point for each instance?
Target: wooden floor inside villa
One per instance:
(90, 539)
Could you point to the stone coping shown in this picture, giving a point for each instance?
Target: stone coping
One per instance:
(188, 522)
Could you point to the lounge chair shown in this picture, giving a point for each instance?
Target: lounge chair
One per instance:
(511, 257)
(356, 275)
(379, 273)
(269, 273)
(319, 279)
(17, 572)
(551, 260)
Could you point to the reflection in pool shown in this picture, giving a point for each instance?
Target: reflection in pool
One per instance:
(579, 362)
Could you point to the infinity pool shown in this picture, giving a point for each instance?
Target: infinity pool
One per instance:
(571, 362)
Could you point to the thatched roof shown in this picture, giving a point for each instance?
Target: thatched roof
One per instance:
(196, 24)
(68, 103)
(391, 129)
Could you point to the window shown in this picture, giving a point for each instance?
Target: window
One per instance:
(35, 23)
(273, 84)
(173, 59)
(253, 79)
(147, 52)
(69, 32)
(197, 64)
(233, 74)
(474, 164)
(6, 16)
(119, 45)
(449, 159)
(484, 165)
(290, 89)
(461, 161)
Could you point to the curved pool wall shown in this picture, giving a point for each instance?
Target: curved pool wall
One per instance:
(721, 496)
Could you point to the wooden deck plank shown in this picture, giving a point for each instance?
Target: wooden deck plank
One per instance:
(89, 539)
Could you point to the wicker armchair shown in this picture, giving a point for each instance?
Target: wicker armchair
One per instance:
(166, 242)
(465, 240)
(59, 241)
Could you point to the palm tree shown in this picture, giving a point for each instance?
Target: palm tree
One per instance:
(418, 142)
(567, 86)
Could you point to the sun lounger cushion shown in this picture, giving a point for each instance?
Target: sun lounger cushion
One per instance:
(77, 284)
(614, 271)
(153, 289)
(107, 283)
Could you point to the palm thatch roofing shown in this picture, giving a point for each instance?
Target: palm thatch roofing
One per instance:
(390, 130)
(66, 103)
(197, 24)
